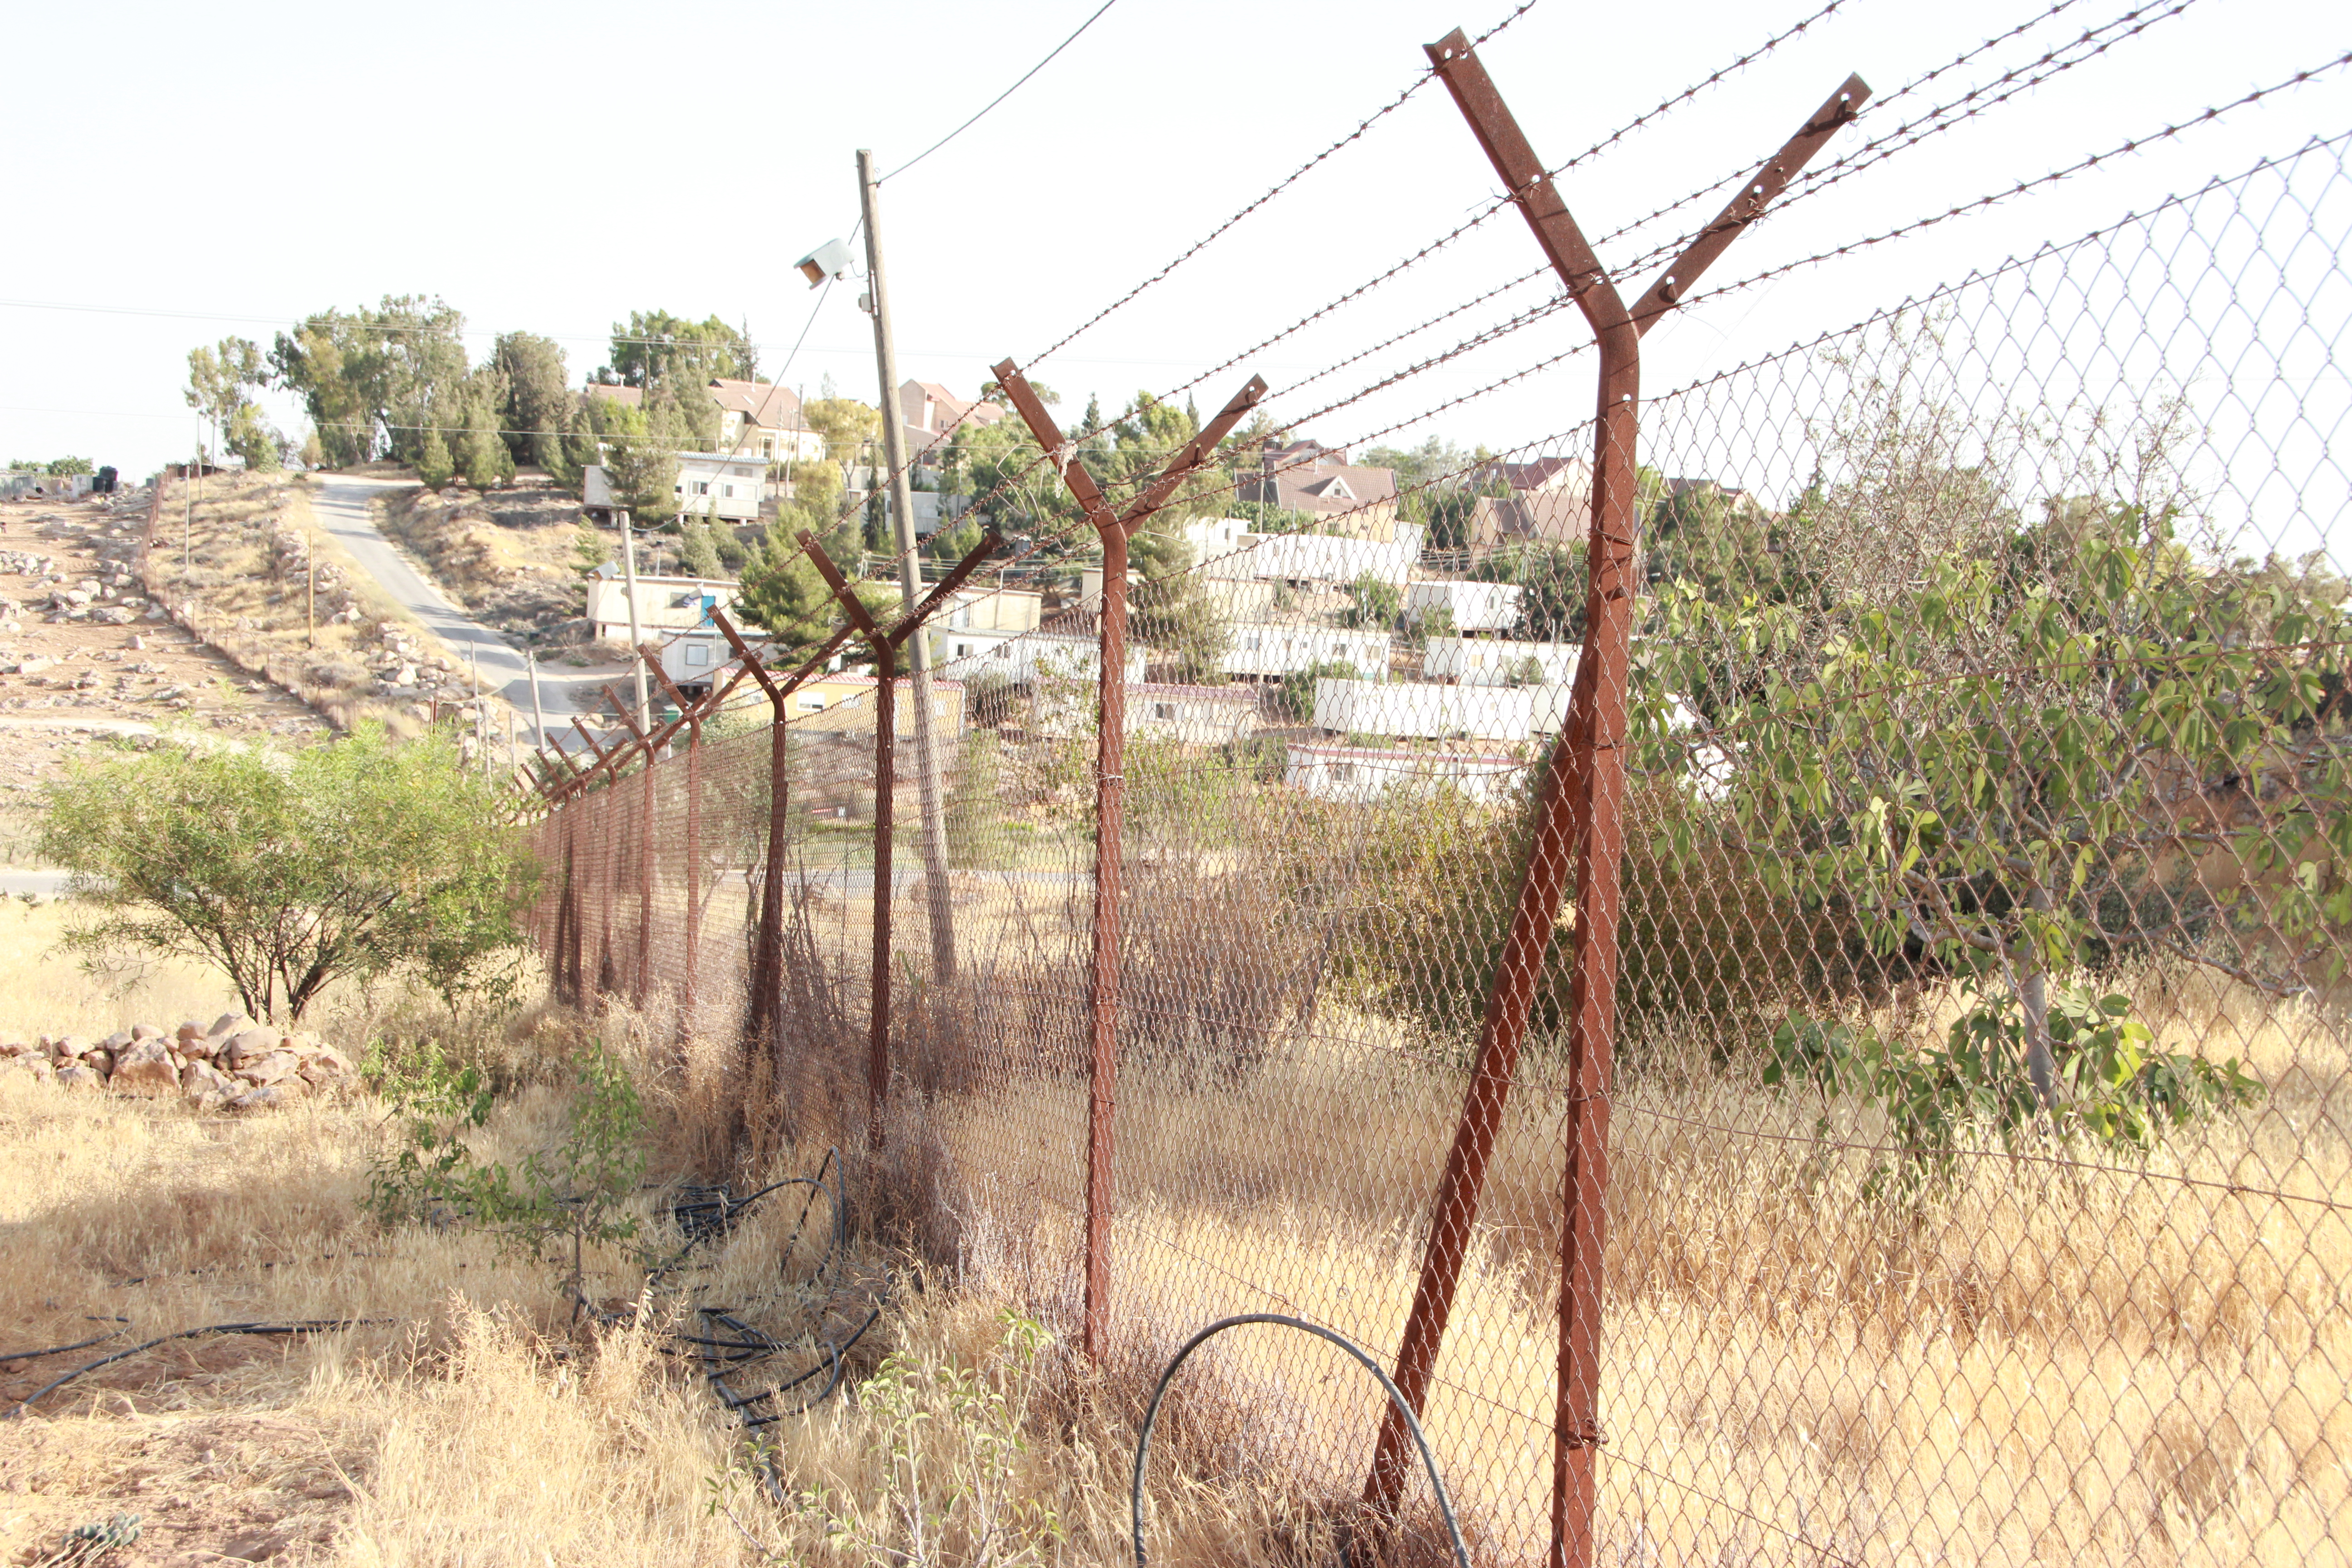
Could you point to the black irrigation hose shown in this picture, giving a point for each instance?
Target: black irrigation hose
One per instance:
(309, 1326)
(834, 1353)
(1396, 1397)
(77, 1345)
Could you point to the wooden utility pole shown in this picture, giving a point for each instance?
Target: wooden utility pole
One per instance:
(637, 634)
(537, 714)
(910, 589)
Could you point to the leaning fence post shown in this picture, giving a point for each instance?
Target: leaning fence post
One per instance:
(1111, 797)
(1578, 822)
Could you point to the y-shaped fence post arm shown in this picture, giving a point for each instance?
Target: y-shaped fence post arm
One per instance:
(1577, 826)
(1110, 765)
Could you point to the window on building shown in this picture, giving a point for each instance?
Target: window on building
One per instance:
(1163, 710)
(811, 702)
(1005, 650)
(696, 656)
(728, 490)
(702, 487)
(1342, 772)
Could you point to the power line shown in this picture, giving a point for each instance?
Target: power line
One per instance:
(999, 98)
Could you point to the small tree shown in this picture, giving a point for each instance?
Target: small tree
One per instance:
(1379, 603)
(433, 464)
(2012, 773)
(288, 870)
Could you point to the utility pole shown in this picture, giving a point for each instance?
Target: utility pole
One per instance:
(629, 576)
(910, 587)
(537, 714)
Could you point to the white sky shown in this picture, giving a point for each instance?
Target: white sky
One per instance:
(183, 172)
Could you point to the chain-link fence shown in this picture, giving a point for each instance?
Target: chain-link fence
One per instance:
(1970, 1103)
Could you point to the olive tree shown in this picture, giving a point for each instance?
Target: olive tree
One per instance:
(289, 869)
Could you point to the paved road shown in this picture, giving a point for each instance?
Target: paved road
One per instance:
(341, 503)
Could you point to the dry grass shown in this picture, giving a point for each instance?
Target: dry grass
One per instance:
(2090, 1360)
(511, 557)
(225, 583)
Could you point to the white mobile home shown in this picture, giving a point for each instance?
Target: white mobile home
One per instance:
(1475, 606)
(1361, 776)
(1421, 708)
(1497, 661)
(1269, 649)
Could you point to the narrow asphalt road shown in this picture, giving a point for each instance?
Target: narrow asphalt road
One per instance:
(342, 503)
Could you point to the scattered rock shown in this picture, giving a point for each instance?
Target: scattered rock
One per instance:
(267, 1097)
(207, 1085)
(146, 1068)
(230, 1024)
(249, 1043)
(266, 1069)
(76, 1075)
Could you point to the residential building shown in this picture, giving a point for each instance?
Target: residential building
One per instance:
(1025, 658)
(1499, 661)
(1346, 498)
(24, 484)
(1267, 650)
(1549, 503)
(844, 704)
(1471, 607)
(933, 415)
(665, 605)
(1195, 715)
(708, 483)
(761, 419)
(1307, 560)
(1424, 709)
(1362, 775)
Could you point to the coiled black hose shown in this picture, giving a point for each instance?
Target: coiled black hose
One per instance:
(1396, 1397)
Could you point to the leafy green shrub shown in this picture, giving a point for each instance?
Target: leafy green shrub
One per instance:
(2117, 1087)
(573, 1191)
(287, 870)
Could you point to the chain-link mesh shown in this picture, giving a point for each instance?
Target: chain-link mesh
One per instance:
(1977, 1130)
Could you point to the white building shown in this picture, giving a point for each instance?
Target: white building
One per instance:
(1361, 776)
(1421, 708)
(1495, 661)
(1196, 715)
(1270, 649)
(732, 487)
(1475, 606)
(1026, 658)
(1316, 558)
(665, 605)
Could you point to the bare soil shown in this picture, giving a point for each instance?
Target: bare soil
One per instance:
(67, 683)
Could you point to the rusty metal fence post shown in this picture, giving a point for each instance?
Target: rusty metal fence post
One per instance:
(1577, 821)
(1111, 752)
(887, 646)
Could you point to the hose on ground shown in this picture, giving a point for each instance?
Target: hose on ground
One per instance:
(1363, 1358)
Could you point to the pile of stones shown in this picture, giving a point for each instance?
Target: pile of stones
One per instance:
(236, 1064)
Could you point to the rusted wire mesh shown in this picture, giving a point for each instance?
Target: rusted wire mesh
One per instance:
(1978, 1141)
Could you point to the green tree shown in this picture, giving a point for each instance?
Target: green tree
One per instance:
(697, 551)
(481, 456)
(288, 870)
(219, 384)
(1174, 614)
(640, 445)
(782, 592)
(1379, 603)
(372, 380)
(1295, 699)
(433, 464)
(1990, 769)
(537, 399)
(654, 348)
